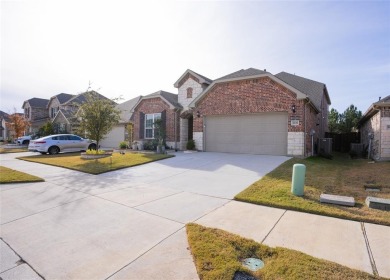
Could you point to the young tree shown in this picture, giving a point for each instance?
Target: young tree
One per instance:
(18, 123)
(334, 121)
(46, 129)
(349, 119)
(97, 116)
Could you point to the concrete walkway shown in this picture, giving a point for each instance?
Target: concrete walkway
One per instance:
(130, 224)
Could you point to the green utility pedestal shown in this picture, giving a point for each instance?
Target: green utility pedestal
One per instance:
(298, 179)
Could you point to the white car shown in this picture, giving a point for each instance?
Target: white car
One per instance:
(61, 143)
(24, 140)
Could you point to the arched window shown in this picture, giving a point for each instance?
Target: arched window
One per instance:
(189, 92)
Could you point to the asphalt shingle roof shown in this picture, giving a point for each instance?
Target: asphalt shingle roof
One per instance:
(126, 108)
(383, 100)
(243, 73)
(81, 98)
(314, 90)
(38, 102)
(205, 78)
(64, 97)
(170, 97)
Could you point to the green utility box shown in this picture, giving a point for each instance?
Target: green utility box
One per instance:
(298, 179)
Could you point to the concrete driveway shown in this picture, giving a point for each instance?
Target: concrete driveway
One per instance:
(127, 224)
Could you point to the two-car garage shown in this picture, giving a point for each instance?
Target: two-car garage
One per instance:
(263, 133)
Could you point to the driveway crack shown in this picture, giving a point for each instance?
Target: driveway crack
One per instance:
(369, 251)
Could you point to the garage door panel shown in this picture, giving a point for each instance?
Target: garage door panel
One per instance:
(250, 134)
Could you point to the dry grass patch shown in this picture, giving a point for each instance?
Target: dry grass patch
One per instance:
(218, 255)
(12, 176)
(340, 176)
(117, 161)
(12, 150)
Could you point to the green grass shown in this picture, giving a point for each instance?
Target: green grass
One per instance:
(74, 162)
(218, 255)
(340, 176)
(12, 176)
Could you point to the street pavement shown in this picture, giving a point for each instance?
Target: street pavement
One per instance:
(130, 223)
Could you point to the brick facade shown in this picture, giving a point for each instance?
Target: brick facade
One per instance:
(157, 105)
(255, 96)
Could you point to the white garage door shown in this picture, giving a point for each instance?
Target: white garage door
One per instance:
(114, 137)
(264, 134)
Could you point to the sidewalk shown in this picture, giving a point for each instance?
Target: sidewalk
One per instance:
(361, 246)
(129, 225)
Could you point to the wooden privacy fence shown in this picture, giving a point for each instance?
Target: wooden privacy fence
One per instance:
(341, 142)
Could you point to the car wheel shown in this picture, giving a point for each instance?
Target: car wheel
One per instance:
(92, 147)
(54, 150)
(26, 142)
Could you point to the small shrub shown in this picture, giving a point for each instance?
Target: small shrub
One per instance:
(123, 145)
(191, 145)
(95, 152)
(150, 145)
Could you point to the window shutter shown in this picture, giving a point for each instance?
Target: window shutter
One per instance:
(141, 125)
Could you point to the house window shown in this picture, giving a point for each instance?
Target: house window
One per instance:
(149, 124)
(189, 92)
(53, 112)
(27, 113)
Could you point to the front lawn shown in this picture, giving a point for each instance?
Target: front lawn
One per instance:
(74, 162)
(218, 255)
(340, 176)
(12, 176)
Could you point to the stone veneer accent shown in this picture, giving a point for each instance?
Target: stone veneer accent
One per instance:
(295, 143)
(198, 138)
(385, 138)
(183, 134)
(196, 90)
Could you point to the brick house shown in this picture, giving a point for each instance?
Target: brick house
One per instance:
(248, 111)
(376, 123)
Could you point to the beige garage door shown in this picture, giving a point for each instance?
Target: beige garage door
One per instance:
(114, 137)
(264, 134)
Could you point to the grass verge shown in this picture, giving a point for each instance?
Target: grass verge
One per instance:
(340, 176)
(12, 176)
(13, 150)
(74, 162)
(218, 255)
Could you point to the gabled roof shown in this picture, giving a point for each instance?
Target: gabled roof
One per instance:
(37, 102)
(81, 98)
(313, 89)
(64, 97)
(373, 109)
(126, 109)
(4, 115)
(66, 113)
(243, 74)
(202, 79)
(170, 98)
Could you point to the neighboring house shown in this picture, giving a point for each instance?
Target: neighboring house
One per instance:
(123, 131)
(376, 123)
(56, 103)
(65, 119)
(4, 132)
(158, 105)
(35, 111)
(248, 111)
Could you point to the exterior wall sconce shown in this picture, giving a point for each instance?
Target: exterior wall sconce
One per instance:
(293, 109)
(198, 114)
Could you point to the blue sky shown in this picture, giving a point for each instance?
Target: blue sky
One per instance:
(129, 49)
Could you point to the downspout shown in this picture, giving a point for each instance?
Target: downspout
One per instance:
(175, 127)
(304, 134)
